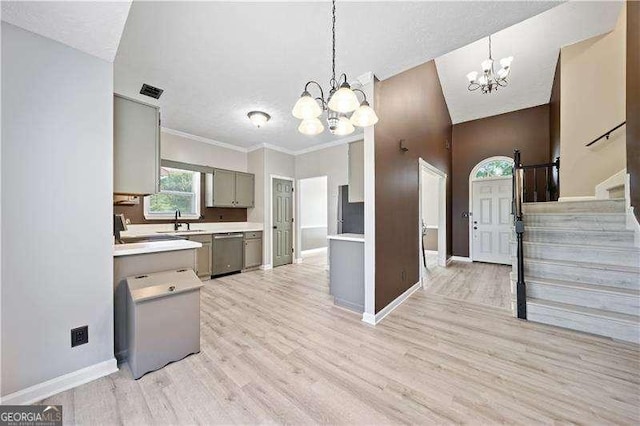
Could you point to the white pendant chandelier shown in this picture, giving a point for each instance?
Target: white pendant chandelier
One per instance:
(344, 110)
(489, 80)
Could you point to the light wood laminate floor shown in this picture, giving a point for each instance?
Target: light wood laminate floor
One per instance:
(276, 350)
(483, 283)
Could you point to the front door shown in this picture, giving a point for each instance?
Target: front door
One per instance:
(491, 220)
(282, 222)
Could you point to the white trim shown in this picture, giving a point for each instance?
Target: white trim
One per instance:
(203, 139)
(370, 211)
(431, 251)
(460, 259)
(353, 138)
(471, 180)
(293, 212)
(375, 319)
(266, 267)
(424, 166)
(313, 251)
(271, 147)
(61, 383)
(617, 180)
(297, 260)
(581, 198)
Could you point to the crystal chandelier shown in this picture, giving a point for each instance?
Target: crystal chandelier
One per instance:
(489, 80)
(344, 109)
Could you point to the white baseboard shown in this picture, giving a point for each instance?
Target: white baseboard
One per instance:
(619, 179)
(431, 251)
(266, 267)
(375, 319)
(298, 260)
(583, 198)
(313, 251)
(459, 259)
(60, 384)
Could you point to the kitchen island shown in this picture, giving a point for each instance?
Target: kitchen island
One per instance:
(346, 270)
(139, 259)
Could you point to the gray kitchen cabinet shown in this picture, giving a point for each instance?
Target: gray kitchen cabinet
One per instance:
(356, 172)
(252, 249)
(136, 147)
(227, 188)
(245, 187)
(203, 256)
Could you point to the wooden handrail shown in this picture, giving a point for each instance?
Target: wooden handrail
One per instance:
(606, 135)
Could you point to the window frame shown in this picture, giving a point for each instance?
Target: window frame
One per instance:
(166, 216)
(474, 173)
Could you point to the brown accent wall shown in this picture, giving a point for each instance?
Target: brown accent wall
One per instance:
(473, 141)
(209, 214)
(633, 102)
(411, 106)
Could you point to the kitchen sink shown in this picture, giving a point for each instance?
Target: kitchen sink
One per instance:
(150, 238)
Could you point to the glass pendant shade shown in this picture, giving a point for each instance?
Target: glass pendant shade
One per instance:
(344, 127)
(364, 116)
(503, 72)
(306, 107)
(344, 100)
(311, 126)
(506, 62)
(486, 65)
(472, 76)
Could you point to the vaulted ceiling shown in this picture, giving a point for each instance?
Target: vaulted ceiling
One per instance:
(535, 44)
(217, 61)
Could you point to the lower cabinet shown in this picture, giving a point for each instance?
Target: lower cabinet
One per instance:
(252, 249)
(203, 256)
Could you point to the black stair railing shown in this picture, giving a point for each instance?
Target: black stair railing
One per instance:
(518, 191)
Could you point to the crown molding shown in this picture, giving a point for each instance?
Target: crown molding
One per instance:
(203, 139)
(338, 142)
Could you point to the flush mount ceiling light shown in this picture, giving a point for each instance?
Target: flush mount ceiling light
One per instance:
(489, 80)
(259, 118)
(344, 109)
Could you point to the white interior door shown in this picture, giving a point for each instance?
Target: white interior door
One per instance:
(491, 220)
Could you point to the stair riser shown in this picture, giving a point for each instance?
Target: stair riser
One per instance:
(630, 257)
(582, 322)
(600, 206)
(622, 303)
(602, 223)
(603, 238)
(603, 277)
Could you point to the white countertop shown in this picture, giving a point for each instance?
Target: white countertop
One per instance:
(359, 238)
(153, 247)
(202, 229)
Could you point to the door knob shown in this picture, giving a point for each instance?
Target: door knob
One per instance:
(475, 222)
(275, 227)
(475, 227)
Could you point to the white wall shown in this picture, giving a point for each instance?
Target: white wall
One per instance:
(255, 165)
(57, 154)
(313, 202)
(430, 199)
(186, 150)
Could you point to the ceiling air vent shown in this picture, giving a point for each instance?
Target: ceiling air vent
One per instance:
(151, 91)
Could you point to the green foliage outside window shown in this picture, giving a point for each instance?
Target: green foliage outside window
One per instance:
(178, 191)
(495, 168)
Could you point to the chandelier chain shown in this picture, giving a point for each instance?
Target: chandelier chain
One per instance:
(333, 51)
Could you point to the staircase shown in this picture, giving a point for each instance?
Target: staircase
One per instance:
(582, 267)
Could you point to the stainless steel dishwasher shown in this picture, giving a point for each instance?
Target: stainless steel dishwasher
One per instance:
(227, 254)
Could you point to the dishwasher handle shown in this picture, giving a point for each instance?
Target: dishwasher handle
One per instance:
(226, 237)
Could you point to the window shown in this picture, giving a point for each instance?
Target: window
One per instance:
(495, 168)
(179, 190)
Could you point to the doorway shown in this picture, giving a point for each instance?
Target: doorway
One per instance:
(282, 221)
(490, 198)
(432, 218)
(312, 216)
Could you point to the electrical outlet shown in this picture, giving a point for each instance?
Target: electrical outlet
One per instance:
(80, 336)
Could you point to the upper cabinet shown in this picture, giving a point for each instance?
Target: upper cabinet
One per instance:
(136, 147)
(226, 188)
(356, 172)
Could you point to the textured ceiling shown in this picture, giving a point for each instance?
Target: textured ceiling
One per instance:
(217, 61)
(535, 45)
(93, 27)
